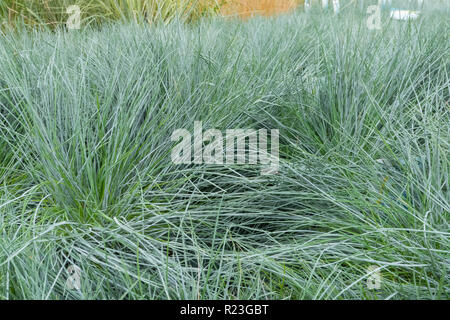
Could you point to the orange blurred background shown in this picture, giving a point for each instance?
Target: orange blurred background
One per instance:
(248, 8)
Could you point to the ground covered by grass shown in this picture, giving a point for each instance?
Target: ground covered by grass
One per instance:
(55, 13)
(86, 177)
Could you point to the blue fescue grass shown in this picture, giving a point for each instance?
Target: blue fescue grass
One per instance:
(86, 176)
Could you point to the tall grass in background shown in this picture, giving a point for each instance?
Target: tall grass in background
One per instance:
(52, 13)
(86, 176)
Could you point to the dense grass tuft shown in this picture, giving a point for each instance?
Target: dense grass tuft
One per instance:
(53, 13)
(86, 176)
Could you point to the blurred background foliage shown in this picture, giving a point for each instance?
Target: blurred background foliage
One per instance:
(52, 13)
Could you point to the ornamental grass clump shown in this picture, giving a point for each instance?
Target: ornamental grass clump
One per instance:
(87, 182)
